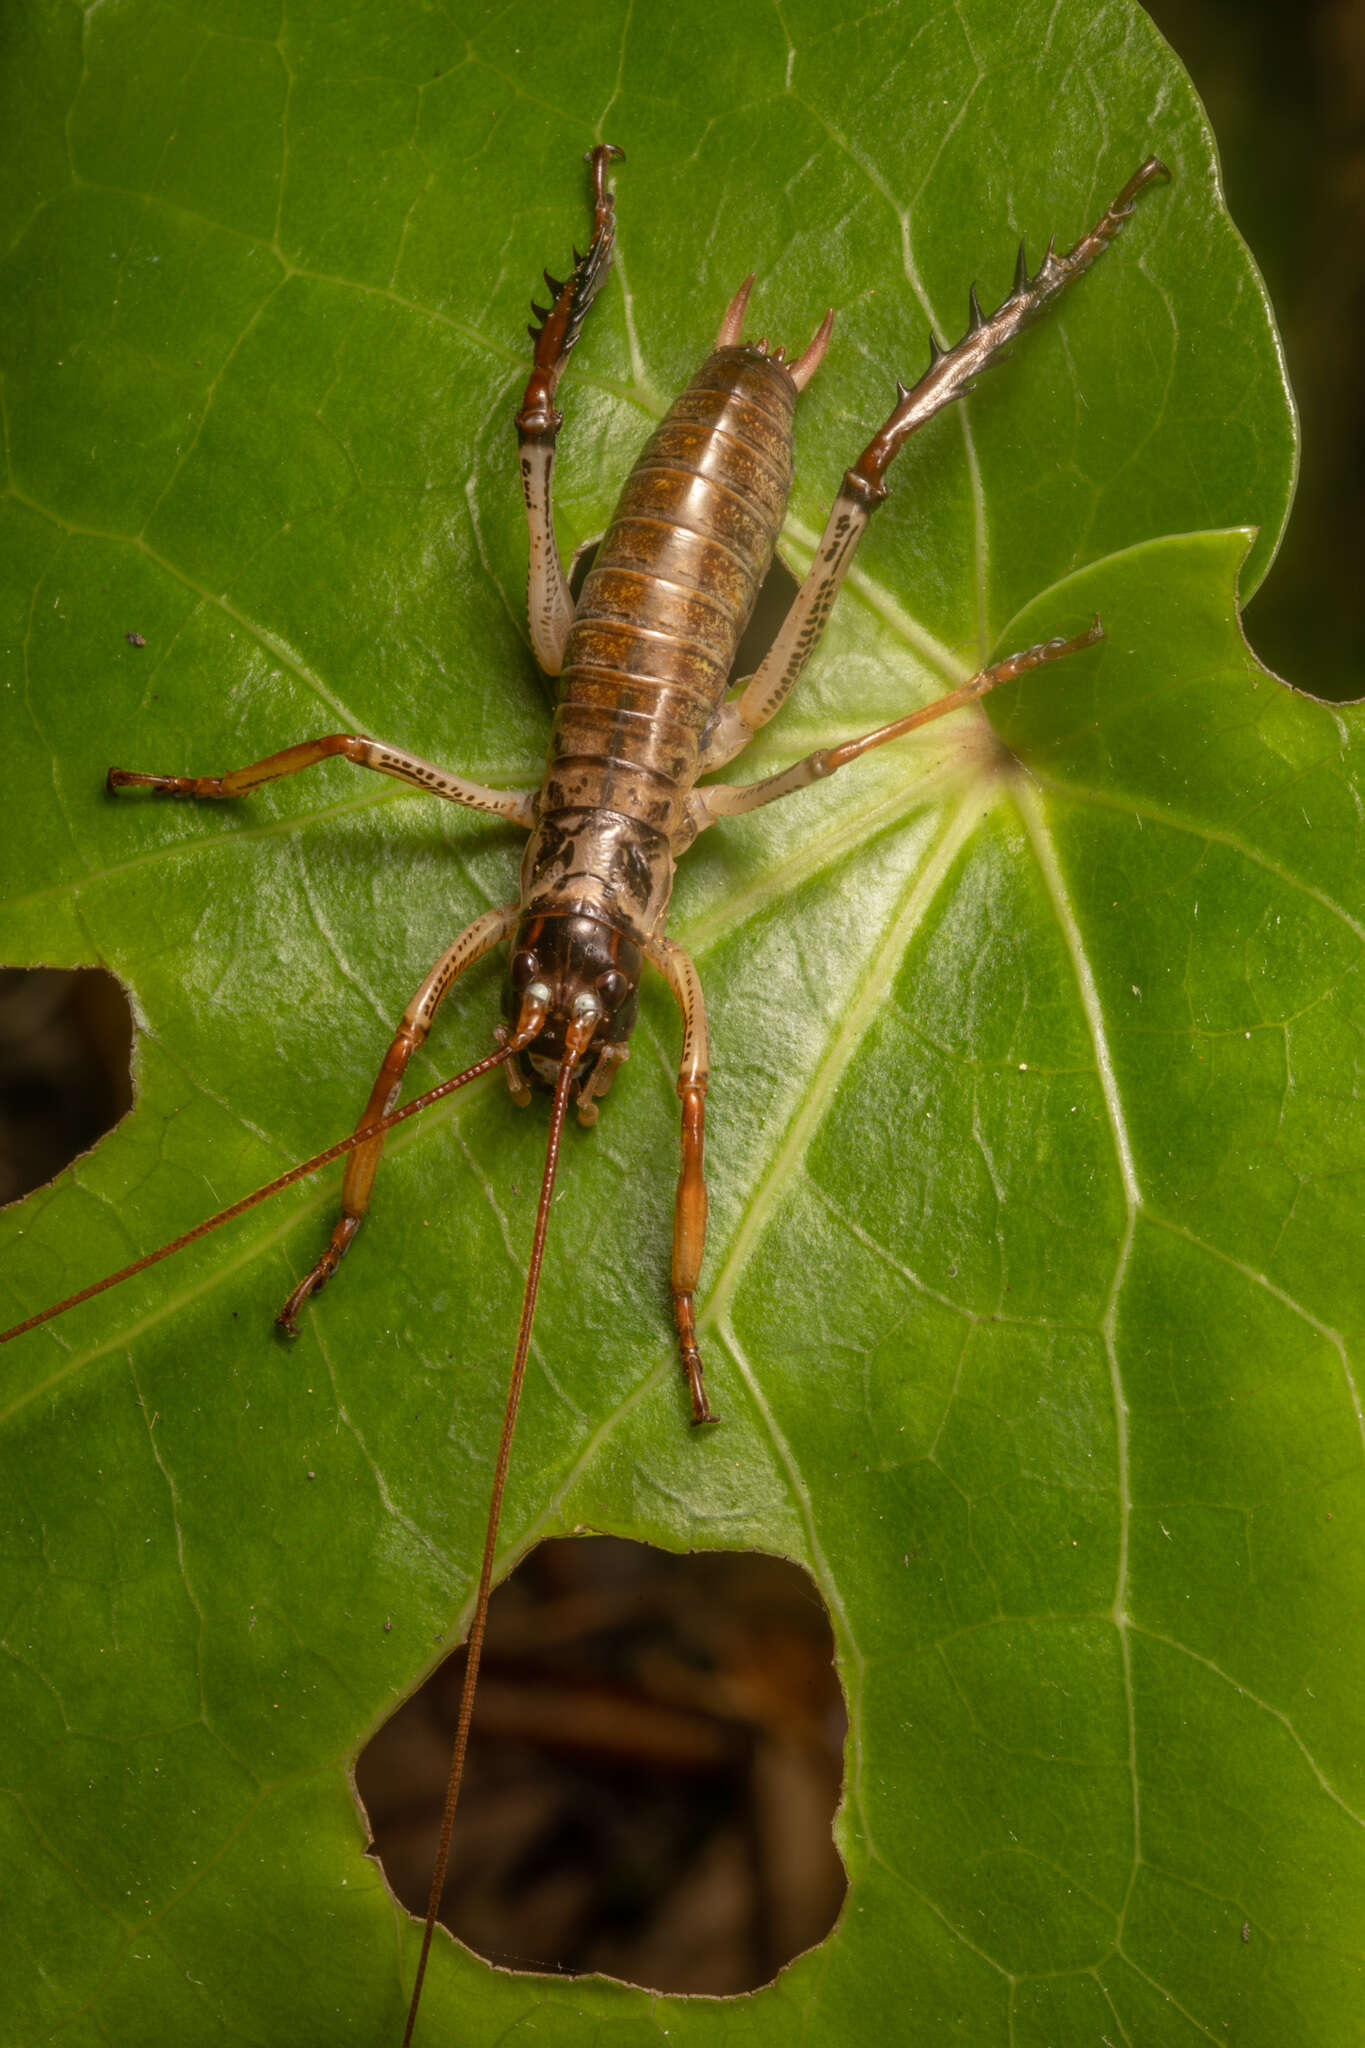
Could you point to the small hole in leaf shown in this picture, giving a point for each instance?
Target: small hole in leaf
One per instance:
(654, 1766)
(773, 603)
(66, 1046)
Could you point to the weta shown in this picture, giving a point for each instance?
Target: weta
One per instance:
(645, 711)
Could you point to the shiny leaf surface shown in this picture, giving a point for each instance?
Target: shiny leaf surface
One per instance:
(1032, 1294)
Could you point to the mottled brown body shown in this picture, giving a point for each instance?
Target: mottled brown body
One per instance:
(649, 653)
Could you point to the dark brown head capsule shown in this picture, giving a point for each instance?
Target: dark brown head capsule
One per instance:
(584, 967)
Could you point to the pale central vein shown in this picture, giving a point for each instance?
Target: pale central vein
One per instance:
(1035, 821)
(860, 1013)
(1045, 853)
(785, 1164)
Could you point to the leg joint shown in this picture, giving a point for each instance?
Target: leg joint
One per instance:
(865, 486)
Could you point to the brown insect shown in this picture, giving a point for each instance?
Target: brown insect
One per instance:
(644, 712)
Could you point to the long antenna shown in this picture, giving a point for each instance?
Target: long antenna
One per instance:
(532, 1018)
(576, 1039)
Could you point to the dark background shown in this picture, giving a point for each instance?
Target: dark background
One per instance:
(1284, 85)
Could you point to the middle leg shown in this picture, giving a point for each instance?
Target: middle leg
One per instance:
(689, 1209)
(516, 804)
(729, 799)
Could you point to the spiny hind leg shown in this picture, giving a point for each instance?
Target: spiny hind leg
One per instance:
(549, 605)
(362, 1165)
(689, 1208)
(951, 374)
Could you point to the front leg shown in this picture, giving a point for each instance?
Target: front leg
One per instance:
(952, 373)
(549, 604)
(476, 940)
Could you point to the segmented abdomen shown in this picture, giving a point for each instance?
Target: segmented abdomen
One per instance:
(654, 638)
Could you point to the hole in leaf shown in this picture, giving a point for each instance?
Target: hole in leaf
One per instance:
(654, 1765)
(774, 601)
(66, 1047)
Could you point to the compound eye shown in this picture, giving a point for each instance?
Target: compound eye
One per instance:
(525, 967)
(612, 987)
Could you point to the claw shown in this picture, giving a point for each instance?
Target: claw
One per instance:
(1021, 270)
(978, 319)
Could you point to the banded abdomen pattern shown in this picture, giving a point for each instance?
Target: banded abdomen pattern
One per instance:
(653, 641)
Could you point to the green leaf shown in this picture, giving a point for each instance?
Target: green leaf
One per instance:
(1033, 1285)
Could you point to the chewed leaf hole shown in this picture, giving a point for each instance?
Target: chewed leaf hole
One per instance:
(774, 601)
(66, 1047)
(654, 1766)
